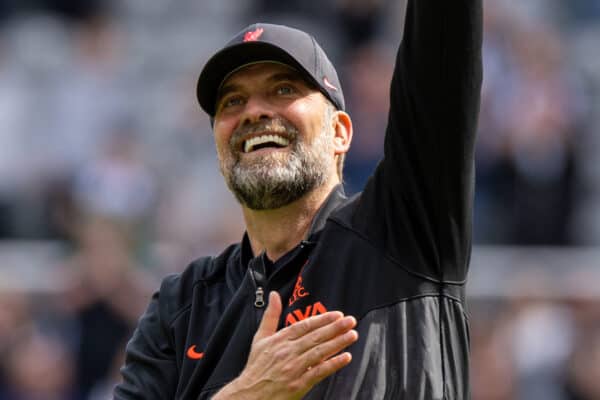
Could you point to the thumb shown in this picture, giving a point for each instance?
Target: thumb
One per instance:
(270, 320)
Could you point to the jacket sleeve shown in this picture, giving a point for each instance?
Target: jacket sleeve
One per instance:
(418, 203)
(150, 370)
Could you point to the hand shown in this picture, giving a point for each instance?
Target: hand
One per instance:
(288, 363)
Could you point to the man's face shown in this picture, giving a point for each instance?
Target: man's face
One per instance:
(273, 135)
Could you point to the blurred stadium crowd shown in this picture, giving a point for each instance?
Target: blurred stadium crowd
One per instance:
(109, 180)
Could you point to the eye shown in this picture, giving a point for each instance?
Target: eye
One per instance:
(231, 101)
(285, 90)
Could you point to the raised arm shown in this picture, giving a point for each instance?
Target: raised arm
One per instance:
(418, 203)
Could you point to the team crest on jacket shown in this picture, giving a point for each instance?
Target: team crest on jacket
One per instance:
(298, 292)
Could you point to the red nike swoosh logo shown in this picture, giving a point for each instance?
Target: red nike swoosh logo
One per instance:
(193, 354)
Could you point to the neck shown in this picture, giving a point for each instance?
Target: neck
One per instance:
(278, 231)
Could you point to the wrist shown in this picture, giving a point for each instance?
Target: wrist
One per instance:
(234, 390)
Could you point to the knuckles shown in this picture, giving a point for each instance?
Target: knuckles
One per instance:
(302, 328)
(317, 354)
(280, 355)
(288, 369)
(295, 386)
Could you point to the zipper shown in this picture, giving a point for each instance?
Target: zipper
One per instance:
(259, 297)
(257, 272)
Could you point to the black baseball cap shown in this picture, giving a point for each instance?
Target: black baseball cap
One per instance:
(268, 42)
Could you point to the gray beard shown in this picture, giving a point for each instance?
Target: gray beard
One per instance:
(280, 178)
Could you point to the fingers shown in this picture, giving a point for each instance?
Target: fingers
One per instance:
(321, 371)
(316, 354)
(304, 327)
(294, 359)
(325, 333)
(270, 320)
(326, 337)
(320, 337)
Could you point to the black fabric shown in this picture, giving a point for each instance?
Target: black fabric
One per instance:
(395, 256)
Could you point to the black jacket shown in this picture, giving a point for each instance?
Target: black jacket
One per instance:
(395, 257)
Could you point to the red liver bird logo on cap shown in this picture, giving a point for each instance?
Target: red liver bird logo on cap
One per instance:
(253, 36)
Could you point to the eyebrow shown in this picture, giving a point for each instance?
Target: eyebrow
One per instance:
(291, 76)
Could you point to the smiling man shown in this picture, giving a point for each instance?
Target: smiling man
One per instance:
(267, 163)
(328, 296)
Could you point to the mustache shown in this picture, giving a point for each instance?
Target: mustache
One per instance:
(278, 126)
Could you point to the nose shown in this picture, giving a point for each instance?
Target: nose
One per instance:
(255, 110)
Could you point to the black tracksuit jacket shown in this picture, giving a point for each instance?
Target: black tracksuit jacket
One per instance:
(395, 256)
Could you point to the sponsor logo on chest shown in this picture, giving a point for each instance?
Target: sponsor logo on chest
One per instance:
(301, 313)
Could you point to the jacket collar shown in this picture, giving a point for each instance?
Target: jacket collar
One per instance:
(335, 198)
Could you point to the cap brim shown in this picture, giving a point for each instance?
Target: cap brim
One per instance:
(230, 59)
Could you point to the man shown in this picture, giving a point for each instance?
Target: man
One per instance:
(365, 295)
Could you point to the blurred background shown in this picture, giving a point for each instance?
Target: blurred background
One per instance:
(109, 180)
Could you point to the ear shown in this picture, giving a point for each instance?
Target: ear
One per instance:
(342, 132)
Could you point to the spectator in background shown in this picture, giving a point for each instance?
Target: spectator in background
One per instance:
(60, 95)
(492, 211)
(90, 99)
(13, 115)
(75, 10)
(583, 10)
(76, 111)
(116, 181)
(297, 8)
(360, 20)
(530, 119)
(106, 294)
(15, 319)
(583, 380)
(368, 72)
(493, 374)
(542, 121)
(539, 335)
(39, 367)
(5, 9)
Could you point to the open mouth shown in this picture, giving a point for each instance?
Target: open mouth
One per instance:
(264, 141)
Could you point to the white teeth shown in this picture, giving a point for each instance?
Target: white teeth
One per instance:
(258, 140)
